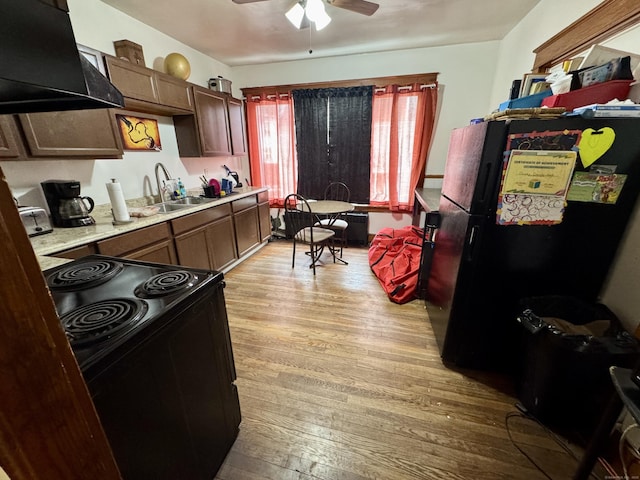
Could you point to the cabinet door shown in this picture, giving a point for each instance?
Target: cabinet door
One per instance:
(192, 249)
(265, 221)
(163, 252)
(75, 133)
(133, 81)
(8, 137)
(174, 92)
(222, 241)
(138, 241)
(237, 127)
(247, 228)
(213, 124)
(78, 252)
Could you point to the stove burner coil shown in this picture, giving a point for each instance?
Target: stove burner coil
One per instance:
(166, 283)
(94, 322)
(84, 275)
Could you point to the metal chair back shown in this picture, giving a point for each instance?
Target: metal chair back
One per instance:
(299, 220)
(337, 191)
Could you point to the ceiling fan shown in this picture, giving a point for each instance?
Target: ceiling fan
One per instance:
(359, 6)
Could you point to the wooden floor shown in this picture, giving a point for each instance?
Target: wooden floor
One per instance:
(338, 383)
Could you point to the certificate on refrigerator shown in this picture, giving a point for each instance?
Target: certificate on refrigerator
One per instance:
(534, 187)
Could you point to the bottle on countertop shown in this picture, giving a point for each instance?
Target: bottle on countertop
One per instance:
(181, 190)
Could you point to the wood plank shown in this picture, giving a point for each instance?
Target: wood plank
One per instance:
(337, 382)
(597, 25)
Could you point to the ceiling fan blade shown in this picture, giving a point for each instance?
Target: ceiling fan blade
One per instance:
(246, 1)
(358, 6)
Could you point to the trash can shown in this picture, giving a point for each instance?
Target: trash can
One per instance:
(568, 347)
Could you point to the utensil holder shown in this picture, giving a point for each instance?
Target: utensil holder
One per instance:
(210, 192)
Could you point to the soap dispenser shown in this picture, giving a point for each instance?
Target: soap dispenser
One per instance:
(181, 190)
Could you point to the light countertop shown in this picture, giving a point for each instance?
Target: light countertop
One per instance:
(66, 238)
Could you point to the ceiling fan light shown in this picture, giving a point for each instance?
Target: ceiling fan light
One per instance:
(295, 15)
(315, 10)
(322, 21)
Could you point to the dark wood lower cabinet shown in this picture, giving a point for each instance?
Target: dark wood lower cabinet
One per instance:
(78, 252)
(161, 252)
(247, 229)
(221, 237)
(210, 239)
(152, 244)
(264, 213)
(206, 239)
(192, 249)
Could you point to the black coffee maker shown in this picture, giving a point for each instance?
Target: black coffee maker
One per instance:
(67, 207)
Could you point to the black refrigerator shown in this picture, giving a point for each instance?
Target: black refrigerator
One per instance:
(482, 268)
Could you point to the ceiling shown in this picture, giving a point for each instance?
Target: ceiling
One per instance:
(259, 32)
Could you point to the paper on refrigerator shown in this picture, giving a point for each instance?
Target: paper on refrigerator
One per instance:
(534, 187)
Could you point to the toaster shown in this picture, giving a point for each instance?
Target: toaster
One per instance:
(35, 220)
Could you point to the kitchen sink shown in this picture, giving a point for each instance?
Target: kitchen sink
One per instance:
(170, 207)
(181, 203)
(190, 201)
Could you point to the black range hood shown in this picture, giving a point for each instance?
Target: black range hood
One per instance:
(41, 69)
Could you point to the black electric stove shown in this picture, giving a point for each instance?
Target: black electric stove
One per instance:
(153, 344)
(105, 301)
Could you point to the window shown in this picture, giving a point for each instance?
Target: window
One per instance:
(402, 123)
(333, 139)
(401, 129)
(272, 145)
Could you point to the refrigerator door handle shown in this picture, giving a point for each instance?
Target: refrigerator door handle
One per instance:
(471, 242)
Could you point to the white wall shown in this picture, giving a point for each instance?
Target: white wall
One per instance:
(516, 55)
(466, 74)
(98, 25)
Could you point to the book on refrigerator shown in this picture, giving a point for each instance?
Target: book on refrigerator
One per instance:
(600, 110)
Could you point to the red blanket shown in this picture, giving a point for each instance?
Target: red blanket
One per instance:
(394, 258)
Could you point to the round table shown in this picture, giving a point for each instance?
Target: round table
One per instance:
(332, 209)
(329, 207)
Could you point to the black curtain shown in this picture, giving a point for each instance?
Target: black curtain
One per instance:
(333, 136)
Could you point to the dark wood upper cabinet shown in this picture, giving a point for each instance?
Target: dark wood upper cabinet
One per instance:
(74, 133)
(8, 138)
(237, 126)
(174, 92)
(213, 123)
(133, 81)
(205, 134)
(216, 129)
(146, 90)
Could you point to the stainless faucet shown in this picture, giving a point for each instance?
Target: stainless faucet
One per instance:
(166, 176)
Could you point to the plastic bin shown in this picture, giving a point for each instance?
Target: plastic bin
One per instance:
(599, 93)
(569, 346)
(530, 101)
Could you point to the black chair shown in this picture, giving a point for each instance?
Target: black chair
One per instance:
(300, 221)
(338, 223)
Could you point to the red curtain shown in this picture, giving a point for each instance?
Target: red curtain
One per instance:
(272, 150)
(402, 129)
